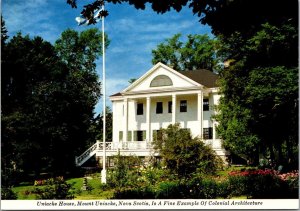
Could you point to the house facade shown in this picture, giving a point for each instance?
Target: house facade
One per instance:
(163, 96)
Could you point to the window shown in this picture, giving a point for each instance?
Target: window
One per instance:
(120, 135)
(140, 109)
(205, 105)
(156, 134)
(159, 107)
(161, 80)
(207, 133)
(139, 135)
(183, 106)
(170, 107)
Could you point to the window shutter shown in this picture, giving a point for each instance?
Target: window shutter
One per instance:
(120, 135)
(134, 135)
(144, 135)
(129, 136)
(154, 134)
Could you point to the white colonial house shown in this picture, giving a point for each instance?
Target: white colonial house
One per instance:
(162, 96)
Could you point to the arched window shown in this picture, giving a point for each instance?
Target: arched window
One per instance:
(161, 80)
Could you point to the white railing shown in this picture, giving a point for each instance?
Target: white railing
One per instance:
(86, 155)
(98, 146)
(215, 144)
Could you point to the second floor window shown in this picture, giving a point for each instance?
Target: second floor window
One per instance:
(183, 106)
(140, 109)
(159, 107)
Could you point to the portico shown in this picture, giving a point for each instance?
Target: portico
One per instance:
(151, 112)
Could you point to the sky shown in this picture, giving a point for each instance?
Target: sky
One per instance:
(133, 33)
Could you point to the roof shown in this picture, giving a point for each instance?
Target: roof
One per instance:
(202, 76)
(116, 95)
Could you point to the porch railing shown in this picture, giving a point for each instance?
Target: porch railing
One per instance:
(111, 146)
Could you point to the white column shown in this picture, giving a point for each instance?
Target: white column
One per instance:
(125, 119)
(173, 108)
(148, 119)
(200, 113)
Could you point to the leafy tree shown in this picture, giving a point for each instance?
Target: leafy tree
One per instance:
(4, 35)
(97, 126)
(131, 80)
(225, 17)
(48, 101)
(199, 52)
(260, 71)
(184, 155)
(80, 50)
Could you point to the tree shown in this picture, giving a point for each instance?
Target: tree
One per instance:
(97, 126)
(80, 50)
(48, 102)
(184, 155)
(4, 35)
(199, 52)
(225, 17)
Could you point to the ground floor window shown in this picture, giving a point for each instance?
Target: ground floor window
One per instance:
(207, 133)
(139, 135)
(159, 107)
(156, 134)
(183, 106)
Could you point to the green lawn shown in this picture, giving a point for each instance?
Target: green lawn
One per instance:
(96, 189)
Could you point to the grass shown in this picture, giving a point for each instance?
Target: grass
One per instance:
(96, 191)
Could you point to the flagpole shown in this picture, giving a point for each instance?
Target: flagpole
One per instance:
(103, 172)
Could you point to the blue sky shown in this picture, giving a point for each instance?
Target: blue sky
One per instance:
(133, 33)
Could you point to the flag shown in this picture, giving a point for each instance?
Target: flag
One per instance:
(84, 21)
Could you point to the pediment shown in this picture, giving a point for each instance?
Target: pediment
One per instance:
(162, 77)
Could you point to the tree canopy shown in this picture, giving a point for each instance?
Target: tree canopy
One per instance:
(48, 100)
(224, 16)
(198, 52)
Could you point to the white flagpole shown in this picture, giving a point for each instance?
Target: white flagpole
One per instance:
(103, 172)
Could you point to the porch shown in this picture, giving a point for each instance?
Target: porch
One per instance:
(133, 148)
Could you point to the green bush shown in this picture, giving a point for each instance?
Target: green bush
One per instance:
(237, 185)
(7, 193)
(259, 184)
(134, 193)
(184, 155)
(169, 190)
(125, 173)
(56, 188)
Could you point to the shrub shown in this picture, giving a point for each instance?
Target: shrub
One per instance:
(259, 184)
(151, 175)
(7, 193)
(125, 172)
(169, 190)
(184, 155)
(134, 193)
(56, 188)
(201, 188)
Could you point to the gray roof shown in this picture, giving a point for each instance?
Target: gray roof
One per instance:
(202, 76)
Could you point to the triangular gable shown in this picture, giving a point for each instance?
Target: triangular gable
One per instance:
(178, 79)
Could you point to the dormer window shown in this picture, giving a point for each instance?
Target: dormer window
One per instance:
(161, 80)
